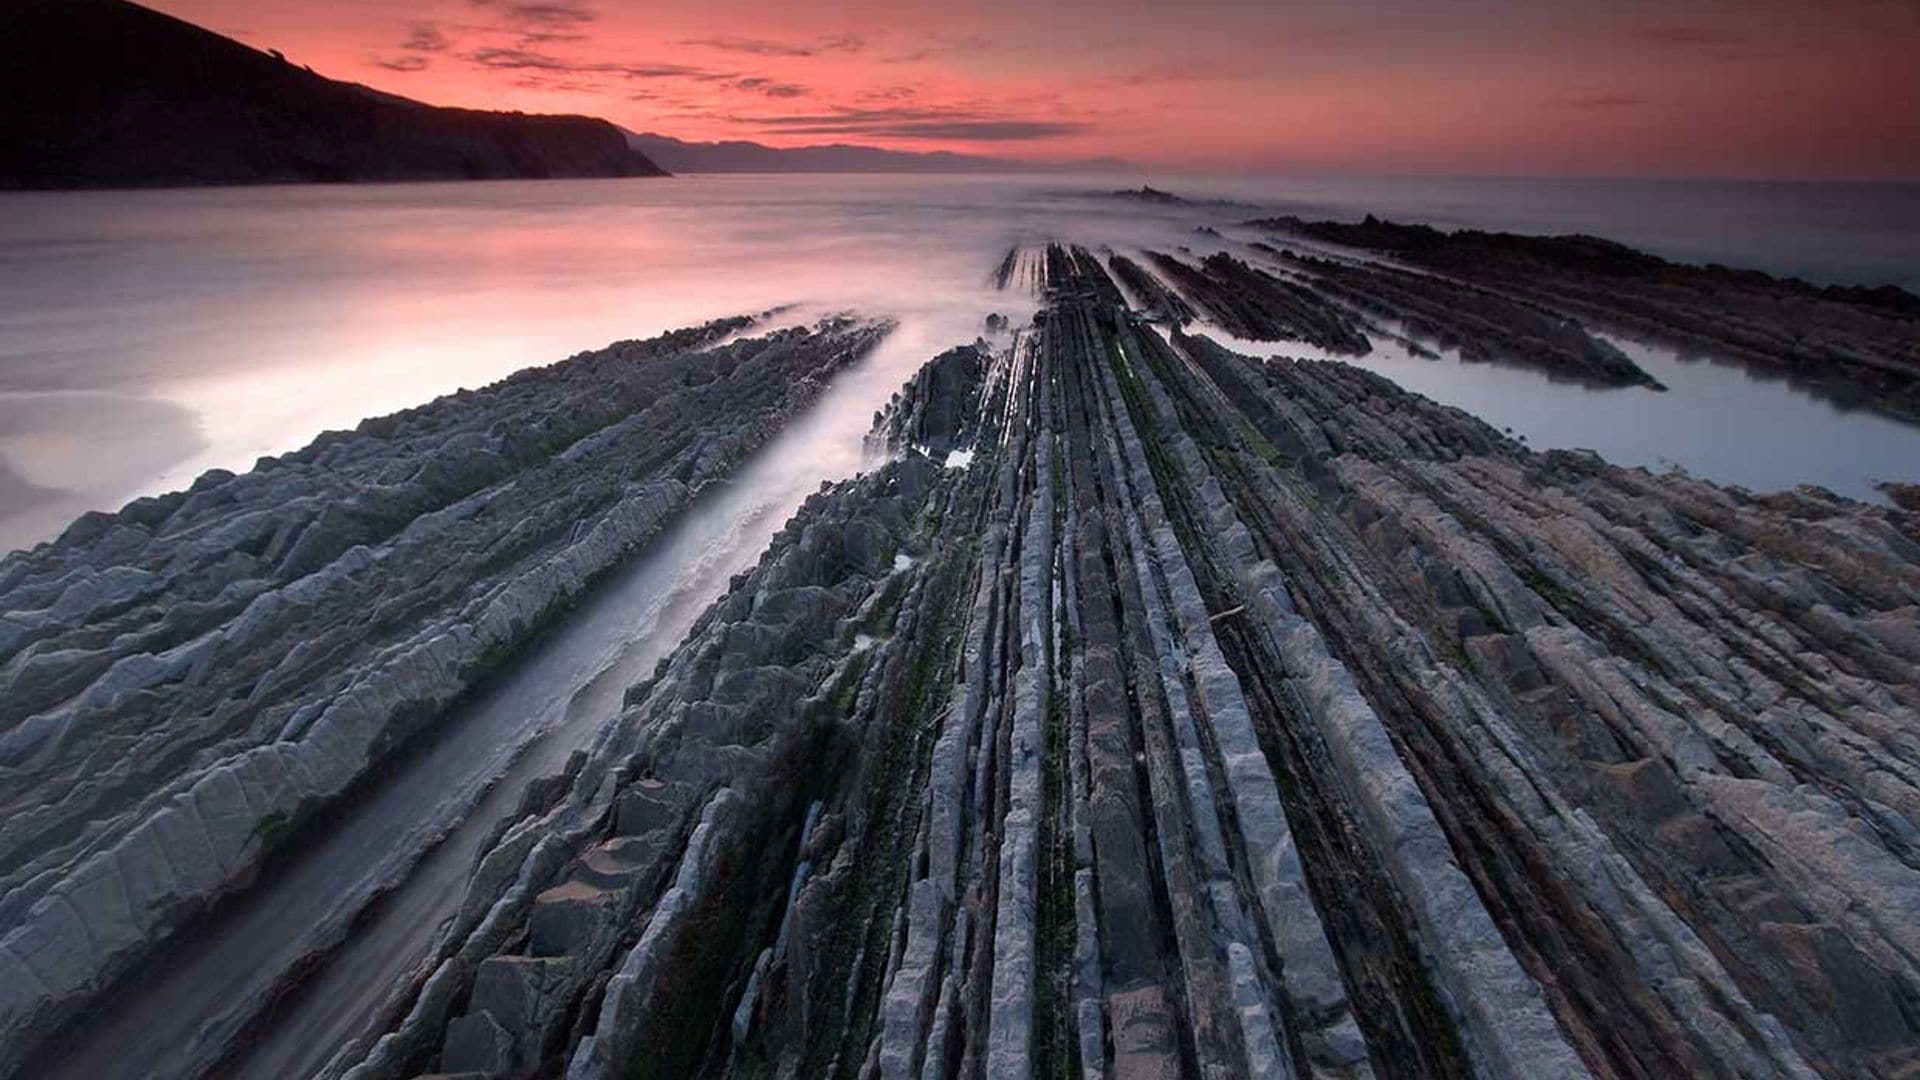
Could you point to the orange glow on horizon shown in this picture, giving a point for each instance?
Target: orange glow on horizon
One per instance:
(1760, 89)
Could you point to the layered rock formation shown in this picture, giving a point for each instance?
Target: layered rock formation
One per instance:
(105, 93)
(1229, 718)
(186, 682)
(1480, 324)
(1149, 293)
(1249, 302)
(1857, 346)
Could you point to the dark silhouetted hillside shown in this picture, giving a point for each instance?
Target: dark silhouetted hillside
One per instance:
(735, 156)
(103, 93)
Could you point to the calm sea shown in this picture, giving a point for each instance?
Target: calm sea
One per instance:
(147, 336)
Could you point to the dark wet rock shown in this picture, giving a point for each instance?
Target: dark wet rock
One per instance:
(744, 741)
(1251, 303)
(476, 1043)
(938, 408)
(1148, 194)
(1153, 196)
(1153, 297)
(1222, 717)
(1002, 275)
(1247, 718)
(1905, 496)
(1022, 268)
(1479, 323)
(1859, 347)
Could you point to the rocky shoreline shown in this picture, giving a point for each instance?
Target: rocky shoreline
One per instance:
(1229, 717)
(1146, 709)
(192, 678)
(1858, 347)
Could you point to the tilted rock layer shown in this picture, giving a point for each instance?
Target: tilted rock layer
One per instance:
(186, 682)
(1229, 718)
(1511, 296)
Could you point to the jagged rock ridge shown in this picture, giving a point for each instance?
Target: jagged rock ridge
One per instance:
(186, 682)
(1859, 347)
(1230, 718)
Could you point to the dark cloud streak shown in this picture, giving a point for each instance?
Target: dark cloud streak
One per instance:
(502, 59)
(1598, 102)
(909, 123)
(933, 45)
(426, 38)
(402, 64)
(769, 87)
(541, 13)
(1705, 42)
(543, 70)
(542, 22)
(840, 43)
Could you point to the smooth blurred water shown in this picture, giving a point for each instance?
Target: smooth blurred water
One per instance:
(148, 336)
(1831, 233)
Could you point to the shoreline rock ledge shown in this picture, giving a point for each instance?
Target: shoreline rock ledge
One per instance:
(188, 681)
(1224, 717)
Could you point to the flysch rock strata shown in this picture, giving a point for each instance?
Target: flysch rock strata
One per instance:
(1249, 302)
(1859, 347)
(1227, 717)
(1479, 323)
(187, 681)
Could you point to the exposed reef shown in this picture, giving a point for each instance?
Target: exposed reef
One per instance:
(1148, 194)
(188, 681)
(1150, 294)
(1146, 709)
(1251, 303)
(1859, 347)
(1153, 196)
(1479, 323)
(1905, 496)
(1228, 717)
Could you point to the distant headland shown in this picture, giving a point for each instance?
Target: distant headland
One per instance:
(105, 93)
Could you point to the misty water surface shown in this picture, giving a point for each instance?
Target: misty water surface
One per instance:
(148, 336)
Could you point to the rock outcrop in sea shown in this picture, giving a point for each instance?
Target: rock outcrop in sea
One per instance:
(1226, 717)
(189, 681)
(1859, 347)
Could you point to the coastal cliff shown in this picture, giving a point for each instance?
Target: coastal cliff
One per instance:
(105, 93)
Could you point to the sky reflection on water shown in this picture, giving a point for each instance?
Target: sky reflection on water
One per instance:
(148, 336)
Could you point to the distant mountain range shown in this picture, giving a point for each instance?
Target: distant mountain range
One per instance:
(104, 93)
(681, 156)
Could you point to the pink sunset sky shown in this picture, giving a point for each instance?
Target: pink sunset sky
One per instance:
(1823, 89)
